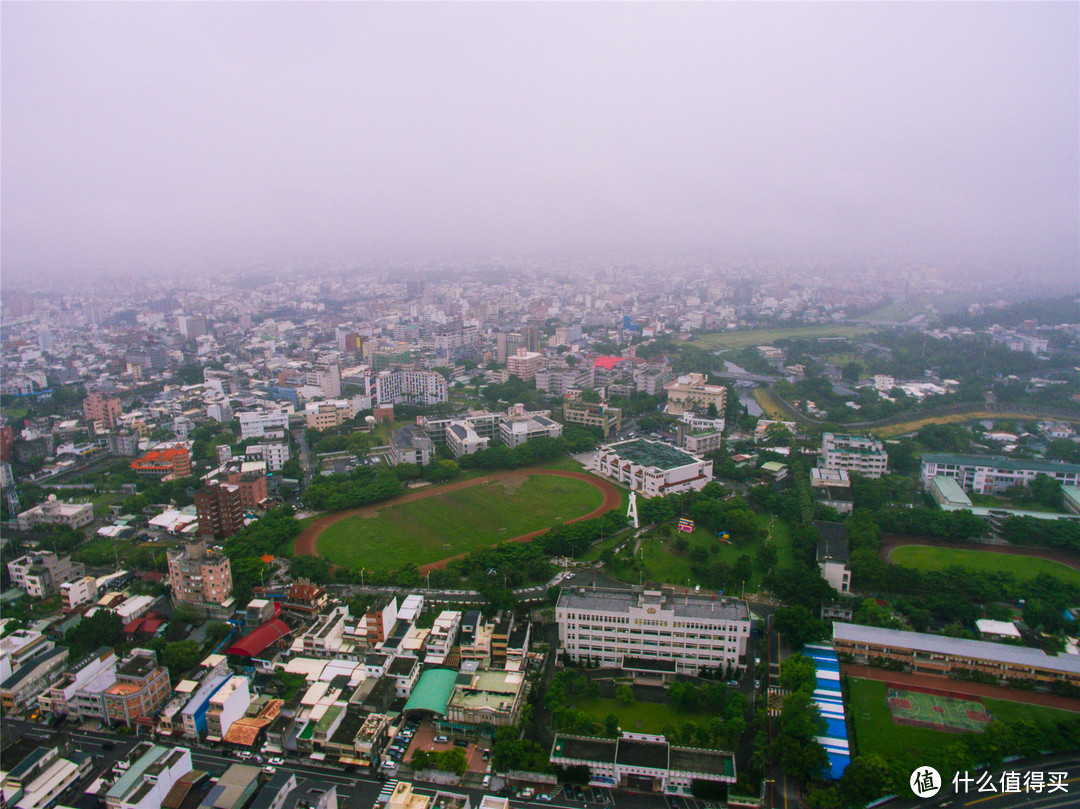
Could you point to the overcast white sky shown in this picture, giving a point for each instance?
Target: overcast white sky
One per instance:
(158, 135)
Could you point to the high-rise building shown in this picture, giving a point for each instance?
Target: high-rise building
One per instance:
(689, 392)
(220, 509)
(524, 364)
(105, 409)
(854, 453)
(200, 576)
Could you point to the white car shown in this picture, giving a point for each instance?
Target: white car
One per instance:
(277, 762)
(268, 770)
(244, 754)
(440, 739)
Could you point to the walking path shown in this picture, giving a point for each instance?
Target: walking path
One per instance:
(307, 542)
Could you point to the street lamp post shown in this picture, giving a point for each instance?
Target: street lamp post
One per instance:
(362, 576)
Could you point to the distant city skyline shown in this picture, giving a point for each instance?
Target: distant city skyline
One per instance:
(141, 139)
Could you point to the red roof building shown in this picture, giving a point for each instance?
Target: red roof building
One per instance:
(159, 463)
(258, 641)
(607, 363)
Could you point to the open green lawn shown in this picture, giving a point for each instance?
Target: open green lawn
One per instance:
(665, 564)
(875, 731)
(923, 557)
(760, 337)
(638, 717)
(455, 522)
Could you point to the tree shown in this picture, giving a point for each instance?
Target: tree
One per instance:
(611, 725)
(798, 673)
(798, 625)
(1047, 491)
(624, 694)
(851, 371)
(180, 657)
(866, 778)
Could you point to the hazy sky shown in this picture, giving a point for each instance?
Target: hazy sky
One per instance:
(156, 135)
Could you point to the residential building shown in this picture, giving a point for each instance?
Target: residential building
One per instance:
(832, 555)
(229, 703)
(643, 763)
(200, 576)
(946, 656)
(410, 444)
(57, 512)
(692, 631)
(77, 592)
(651, 379)
(39, 574)
(42, 785)
(274, 455)
(234, 789)
(404, 671)
(690, 392)
(481, 422)
(327, 377)
(19, 646)
(593, 414)
(36, 674)
(524, 364)
(993, 474)
(163, 462)
(259, 424)
(141, 688)
(146, 782)
(249, 477)
(557, 381)
(441, 638)
(123, 443)
(104, 409)
(80, 691)
(220, 510)
(854, 453)
(653, 468)
(701, 442)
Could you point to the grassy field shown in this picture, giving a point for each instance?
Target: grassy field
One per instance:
(664, 564)
(455, 522)
(638, 717)
(760, 337)
(768, 403)
(923, 557)
(875, 731)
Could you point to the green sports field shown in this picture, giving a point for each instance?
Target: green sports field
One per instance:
(925, 557)
(760, 337)
(875, 732)
(456, 522)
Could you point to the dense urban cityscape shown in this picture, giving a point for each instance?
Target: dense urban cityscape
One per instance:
(513, 405)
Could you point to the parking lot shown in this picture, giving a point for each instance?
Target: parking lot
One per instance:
(425, 739)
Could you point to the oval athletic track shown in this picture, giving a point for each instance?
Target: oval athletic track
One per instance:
(890, 542)
(308, 540)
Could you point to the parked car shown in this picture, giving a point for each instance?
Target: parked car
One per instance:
(277, 761)
(487, 781)
(268, 770)
(243, 754)
(460, 743)
(733, 683)
(440, 739)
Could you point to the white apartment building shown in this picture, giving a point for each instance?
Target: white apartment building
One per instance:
(653, 468)
(524, 364)
(55, 512)
(274, 455)
(462, 439)
(690, 392)
(76, 592)
(441, 638)
(263, 424)
(992, 474)
(854, 453)
(226, 706)
(407, 387)
(80, 692)
(693, 631)
(411, 444)
(327, 377)
(324, 638)
(40, 574)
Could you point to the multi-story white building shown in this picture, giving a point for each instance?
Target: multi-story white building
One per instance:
(80, 692)
(40, 574)
(262, 424)
(691, 631)
(406, 387)
(520, 426)
(992, 474)
(146, 783)
(524, 364)
(228, 704)
(411, 444)
(690, 392)
(854, 453)
(653, 468)
(76, 592)
(593, 414)
(462, 439)
(327, 377)
(441, 638)
(55, 512)
(274, 455)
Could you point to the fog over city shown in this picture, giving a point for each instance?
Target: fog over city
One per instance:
(151, 137)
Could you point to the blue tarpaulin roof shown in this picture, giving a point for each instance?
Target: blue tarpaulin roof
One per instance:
(828, 698)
